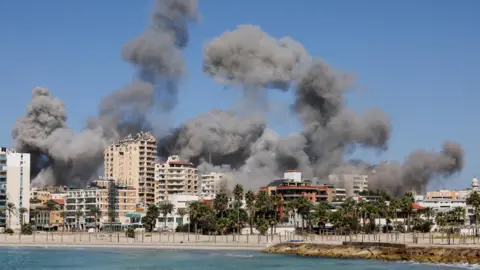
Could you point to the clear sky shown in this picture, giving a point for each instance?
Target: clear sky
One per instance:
(418, 61)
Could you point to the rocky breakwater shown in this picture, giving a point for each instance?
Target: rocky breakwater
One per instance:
(392, 252)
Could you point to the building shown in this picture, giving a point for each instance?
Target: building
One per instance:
(211, 184)
(175, 177)
(352, 183)
(39, 196)
(335, 194)
(292, 187)
(14, 185)
(48, 219)
(121, 200)
(179, 201)
(130, 162)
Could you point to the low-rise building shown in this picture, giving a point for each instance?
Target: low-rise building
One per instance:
(179, 201)
(352, 183)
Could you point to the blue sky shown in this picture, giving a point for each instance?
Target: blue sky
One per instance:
(418, 61)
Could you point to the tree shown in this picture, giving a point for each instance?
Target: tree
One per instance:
(22, 211)
(220, 204)
(474, 200)
(51, 206)
(63, 215)
(166, 208)
(34, 213)
(96, 212)
(238, 195)
(406, 206)
(429, 213)
(250, 201)
(182, 212)
(12, 211)
(150, 219)
(304, 206)
(321, 212)
(78, 215)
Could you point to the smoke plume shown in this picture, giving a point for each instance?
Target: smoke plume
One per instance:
(59, 155)
(241, 145)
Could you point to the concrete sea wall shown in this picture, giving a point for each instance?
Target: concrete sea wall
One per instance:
(388, 252)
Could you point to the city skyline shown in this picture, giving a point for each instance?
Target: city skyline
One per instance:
(403, 140)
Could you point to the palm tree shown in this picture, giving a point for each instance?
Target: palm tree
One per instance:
(277, 201)
(395, 204)
(250, 201)
(474, 200)
(304, 206)
(220, 204)
(63, 215)
(78, 215)
(166, 208)
(406, 206)
(96, 212)
(22, 211)
(321, 212)
(11, 210)
(195, 211)
(182, 212)
(238, 195)
(51, 206)
(429, 213)
(34, 213)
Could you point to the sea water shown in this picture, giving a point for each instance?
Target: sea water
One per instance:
(106, 259)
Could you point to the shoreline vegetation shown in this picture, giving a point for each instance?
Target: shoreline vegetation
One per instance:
(381, 251)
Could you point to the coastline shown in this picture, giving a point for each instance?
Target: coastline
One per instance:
(137, 246)
(418, 253)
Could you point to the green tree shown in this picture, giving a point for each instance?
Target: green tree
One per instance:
(150, 218)
(12, 211)
(51, 206)
(63, 215)
(238, 195)
(220, 204)
(182, 212)
(406, 206)
(304, 206)
(166, 208)
(95, 212)
(34, 213)
(250, 203)
(78, 214)
(474, 200)
(22, 211)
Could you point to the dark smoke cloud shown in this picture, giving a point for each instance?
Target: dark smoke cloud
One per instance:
(250, 58)
(418, 169)
(59, 155)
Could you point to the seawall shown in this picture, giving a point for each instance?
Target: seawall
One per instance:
(388, 252)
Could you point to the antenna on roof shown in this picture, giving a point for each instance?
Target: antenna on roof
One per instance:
(210, 157)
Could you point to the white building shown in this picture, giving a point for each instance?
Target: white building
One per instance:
(352, 183)
(175, 177)
(179, 201)
(14, 185)
(211, 184)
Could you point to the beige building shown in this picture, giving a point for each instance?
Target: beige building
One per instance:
(97, 195)
(211, 184)
(175, 177)
(39, 196)
(130, 162)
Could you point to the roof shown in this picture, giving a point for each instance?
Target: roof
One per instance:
(175, 163)
(59, 201)
(417, 206)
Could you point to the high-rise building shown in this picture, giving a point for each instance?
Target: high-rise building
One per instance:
(175, 177)
(14, 185)
(211, 184)
(352, 183)
(131, 162)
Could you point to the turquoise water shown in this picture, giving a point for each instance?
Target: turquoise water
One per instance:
(87, 258)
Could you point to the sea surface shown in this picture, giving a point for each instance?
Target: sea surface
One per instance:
(106, 259)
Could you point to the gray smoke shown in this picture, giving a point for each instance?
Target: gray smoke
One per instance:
(419, 168)
(250, 58)
(59, 155)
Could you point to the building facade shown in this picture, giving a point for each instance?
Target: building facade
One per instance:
(14, 185)
(352, 183)
(179, 201)
(211, 184)
(175, 177)
(121, 200)
(130, 162)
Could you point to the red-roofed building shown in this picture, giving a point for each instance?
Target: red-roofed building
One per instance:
(175, 177)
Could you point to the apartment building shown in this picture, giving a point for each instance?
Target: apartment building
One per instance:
(103, 196)
(352, 183)
(14, 185)
(175, 177)
(130, 162)
(39, 196)
(211, 184)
